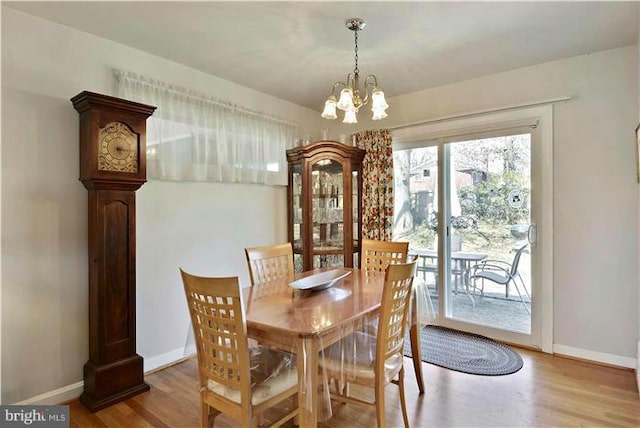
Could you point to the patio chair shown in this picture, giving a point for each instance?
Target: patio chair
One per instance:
(503, 273)
(235, 379)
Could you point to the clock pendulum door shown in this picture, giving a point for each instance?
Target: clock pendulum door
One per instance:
(112, 168)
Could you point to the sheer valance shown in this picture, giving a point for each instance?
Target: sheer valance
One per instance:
(195, 137)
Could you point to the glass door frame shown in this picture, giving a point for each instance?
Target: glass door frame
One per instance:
(539, 120)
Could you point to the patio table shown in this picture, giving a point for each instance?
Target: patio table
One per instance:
(463, 261)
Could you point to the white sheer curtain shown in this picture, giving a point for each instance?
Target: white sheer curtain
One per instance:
(195, 137)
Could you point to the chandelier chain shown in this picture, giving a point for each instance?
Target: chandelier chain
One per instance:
(356, 70)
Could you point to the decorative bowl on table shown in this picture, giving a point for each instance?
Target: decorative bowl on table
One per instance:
(321, 280)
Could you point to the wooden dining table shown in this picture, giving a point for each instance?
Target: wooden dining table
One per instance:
(304, 322)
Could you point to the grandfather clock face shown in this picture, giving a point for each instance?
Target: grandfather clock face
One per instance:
(118, 148)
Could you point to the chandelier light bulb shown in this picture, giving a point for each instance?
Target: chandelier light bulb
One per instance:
(346, 100)
(329, 111)
(350, 116)
(377, 100)
(379, 114)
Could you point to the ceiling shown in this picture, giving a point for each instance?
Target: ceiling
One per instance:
(296, 50)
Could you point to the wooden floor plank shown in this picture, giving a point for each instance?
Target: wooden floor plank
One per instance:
(548, 391)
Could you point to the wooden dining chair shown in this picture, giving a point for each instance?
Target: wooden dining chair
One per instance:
(377, 255)
(375, 361)
(269, 262)
(239, 381)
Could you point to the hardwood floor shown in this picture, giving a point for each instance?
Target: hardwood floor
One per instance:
(547, 391)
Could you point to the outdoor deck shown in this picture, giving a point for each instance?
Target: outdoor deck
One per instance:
(493, 309)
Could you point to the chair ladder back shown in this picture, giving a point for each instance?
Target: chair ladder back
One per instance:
(269, 262)
(377, 255)
(394, 309)
(220, 331)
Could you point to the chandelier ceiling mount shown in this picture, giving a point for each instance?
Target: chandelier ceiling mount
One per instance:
(350, 99)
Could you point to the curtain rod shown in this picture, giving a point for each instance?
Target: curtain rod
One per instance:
(479, 112)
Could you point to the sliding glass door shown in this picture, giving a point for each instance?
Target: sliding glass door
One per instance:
(469, 206)
(489, 224)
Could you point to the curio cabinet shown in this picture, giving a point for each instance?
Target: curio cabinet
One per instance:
(324, 204)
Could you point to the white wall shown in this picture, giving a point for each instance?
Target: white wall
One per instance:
(595, 191)
(202, 227)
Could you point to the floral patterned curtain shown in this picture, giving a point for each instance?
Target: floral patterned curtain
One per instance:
(377, 184)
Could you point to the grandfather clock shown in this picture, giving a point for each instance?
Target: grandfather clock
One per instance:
(112, 168)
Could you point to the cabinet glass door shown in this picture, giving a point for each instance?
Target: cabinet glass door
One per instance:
(327, 213)
(296, 213)
(355, 208)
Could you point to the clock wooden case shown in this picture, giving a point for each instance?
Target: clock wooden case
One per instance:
(112, 168)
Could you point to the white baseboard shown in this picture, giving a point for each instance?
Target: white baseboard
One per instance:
(600, 357)
(57, 396)
(167, 358)
(73, 391)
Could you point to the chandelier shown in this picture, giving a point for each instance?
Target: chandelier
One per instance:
(350, 101)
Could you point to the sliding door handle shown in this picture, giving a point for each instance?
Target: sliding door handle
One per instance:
(532, 234)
